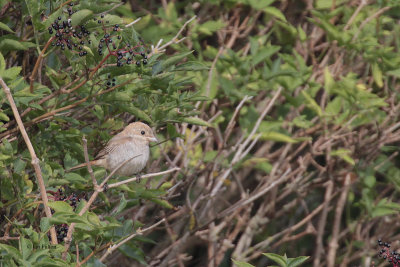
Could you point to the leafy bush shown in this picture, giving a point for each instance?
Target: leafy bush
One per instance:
(282, 117)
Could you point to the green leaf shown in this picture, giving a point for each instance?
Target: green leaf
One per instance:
(11, 251)
(11, 45)
(343, 154)
(209, 27)
(278, 137)
(196, 121)
(5, 27)
(293, 262)
(311, 103)
(60, 206)
(191, 66)
(264, 54)
(45, 224)
(122, 204)
(174, 59)
(137, 112)
(385, 207)
(281, 260)
(273, 11)
(242, 263)
(377, 74)
(2, 64)
(74, 178)
(81, 16)
(26, 247)
(4, 117)
(162, 202)
(11, 73)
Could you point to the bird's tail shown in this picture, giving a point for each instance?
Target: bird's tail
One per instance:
(97, 162)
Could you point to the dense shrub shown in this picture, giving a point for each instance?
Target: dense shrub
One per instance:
(279, 122)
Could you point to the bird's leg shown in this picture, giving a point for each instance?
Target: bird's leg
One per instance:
(139, 177)
(105, 187)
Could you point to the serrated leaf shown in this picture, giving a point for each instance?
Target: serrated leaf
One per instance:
(60, 206)
(10, 250)
(81, 16)
(11, 73)
(5, 27)
(45, 224)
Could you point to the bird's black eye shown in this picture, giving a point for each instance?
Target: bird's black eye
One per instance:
(142, 132)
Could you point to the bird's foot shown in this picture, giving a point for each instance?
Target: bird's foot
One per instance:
(139, 177)
(105, 187)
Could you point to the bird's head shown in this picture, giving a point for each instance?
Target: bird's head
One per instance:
(141, 131)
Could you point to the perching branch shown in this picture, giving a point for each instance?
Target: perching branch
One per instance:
(138, 232)
(35, 160)
(133, 179)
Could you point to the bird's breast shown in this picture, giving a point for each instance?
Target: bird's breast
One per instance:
(135, 154)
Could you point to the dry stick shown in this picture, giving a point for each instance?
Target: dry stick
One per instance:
(174, 40)
(232, 122)
(37, 64)
(35, 160)
(239, 153)
(377, 14)
(321, 226)
(133, 179)
(138, 232)
(333, 244)
(89, 166)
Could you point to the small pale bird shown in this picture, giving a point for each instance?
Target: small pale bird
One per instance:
(132, 143)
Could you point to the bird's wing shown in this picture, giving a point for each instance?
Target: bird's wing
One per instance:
(113, 144)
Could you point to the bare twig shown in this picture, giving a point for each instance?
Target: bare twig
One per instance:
(333, 244)
(133, 179)
(35, 160)
(138, 232)
(174, 40)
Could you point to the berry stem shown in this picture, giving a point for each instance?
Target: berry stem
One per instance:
(39, 59)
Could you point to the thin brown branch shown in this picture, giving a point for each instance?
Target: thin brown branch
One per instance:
(35, 160)
(37, 64)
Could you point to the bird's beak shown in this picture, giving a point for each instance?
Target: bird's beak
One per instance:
(153, 139)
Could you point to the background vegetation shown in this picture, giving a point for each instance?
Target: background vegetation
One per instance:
(280, 121)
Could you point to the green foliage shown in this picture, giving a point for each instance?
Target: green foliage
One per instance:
(336, 64)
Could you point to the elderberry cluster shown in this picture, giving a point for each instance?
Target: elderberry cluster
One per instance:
(72, 200)
(62, 231)
(68, 36)
(112, 40)
(391, 256)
